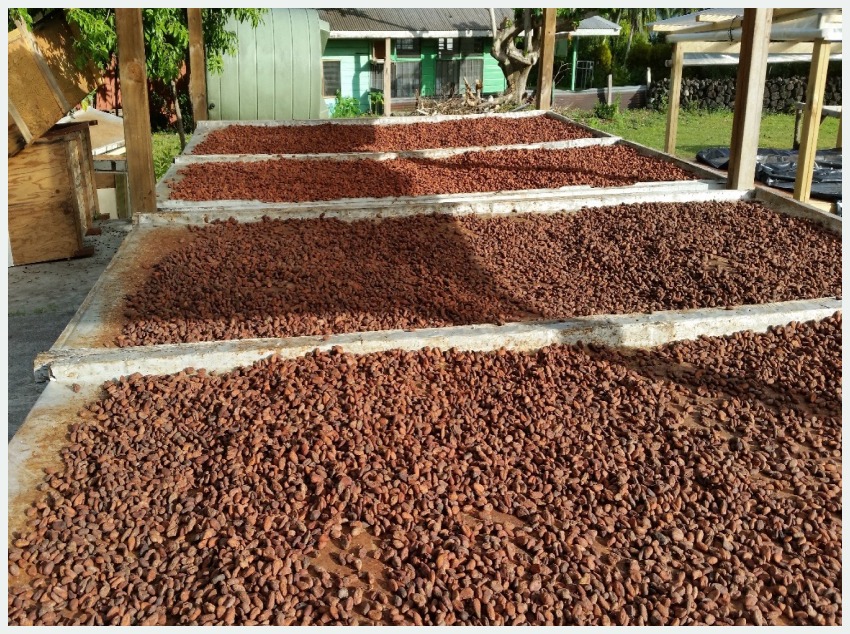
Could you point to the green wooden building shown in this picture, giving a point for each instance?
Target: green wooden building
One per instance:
(431, 51)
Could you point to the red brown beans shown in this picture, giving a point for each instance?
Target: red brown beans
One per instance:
(320, 277)
(571, 485)
(331, 137)
(300, 181)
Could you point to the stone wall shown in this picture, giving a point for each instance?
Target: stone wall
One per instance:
(780, 93)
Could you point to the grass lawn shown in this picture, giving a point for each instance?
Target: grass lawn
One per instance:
(698, 130)
(166, 145)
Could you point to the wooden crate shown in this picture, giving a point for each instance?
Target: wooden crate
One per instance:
(44, 82)
(52, 196)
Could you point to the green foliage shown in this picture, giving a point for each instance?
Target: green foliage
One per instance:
(604, 111)
(604, 57)
(166, 145)
(346, 107)
(376, 101)
(166, 33)
(19, 14)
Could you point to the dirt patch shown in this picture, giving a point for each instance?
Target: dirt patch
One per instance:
(300, 181)
(431, 487)
(332, 138)
(325, 276)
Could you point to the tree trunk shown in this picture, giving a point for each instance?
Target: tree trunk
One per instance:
(520, 80)
(179, 116)
(526, 27)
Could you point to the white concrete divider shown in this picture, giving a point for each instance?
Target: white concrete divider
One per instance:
(440, 153)
(479, 202)
(636, 330)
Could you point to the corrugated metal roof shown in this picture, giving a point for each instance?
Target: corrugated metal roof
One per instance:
(380, 20)
(597, 23)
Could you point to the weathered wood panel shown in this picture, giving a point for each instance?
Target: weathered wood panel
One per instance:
(44, 219)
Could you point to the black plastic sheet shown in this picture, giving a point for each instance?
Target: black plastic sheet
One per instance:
(778, 168)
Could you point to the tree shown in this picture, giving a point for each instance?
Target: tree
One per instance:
(517, 63)
(166, 33)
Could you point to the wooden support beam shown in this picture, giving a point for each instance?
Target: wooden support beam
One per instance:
(197, 65)
(811, 120)
(749, 93)
(388, 77)
(673, 99)
(547, 61)
(134, 100)
(774, 48)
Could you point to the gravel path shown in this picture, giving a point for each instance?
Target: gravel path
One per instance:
(315, 277)
(699, 483)
(329, 137)
(300, 181)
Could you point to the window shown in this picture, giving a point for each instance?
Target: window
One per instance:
(446, 46)
(463, 46)
(407, 47)
(471, 46)
(330, 78)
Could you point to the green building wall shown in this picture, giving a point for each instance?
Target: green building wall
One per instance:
(354, 72)
(355, 75)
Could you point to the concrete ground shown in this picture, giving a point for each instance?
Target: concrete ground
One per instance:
(42, 300)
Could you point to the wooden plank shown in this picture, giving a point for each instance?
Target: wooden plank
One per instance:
(673, 99)
(388, 78)
(32, 101)
(811, 120)
(92, 209)
(17, 142)
(734, 48)
(46, 72)
(749, 93)
(104, 180)
(197, 65)
(134, 97)
(43, 221)
(547, 59)
(21, 126)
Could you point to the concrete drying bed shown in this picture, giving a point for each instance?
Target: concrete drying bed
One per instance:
(548, 199)
(470, 172)
(382, 135)
(83, 348)
(291, 278)
(696, 483)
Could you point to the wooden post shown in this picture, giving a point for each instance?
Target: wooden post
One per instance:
(811, 121)
(134, 99)
(749, 93)
(547, 61)
(388, 77)
(610, 96)
(198, 66)
(648, 77)
(673, 97)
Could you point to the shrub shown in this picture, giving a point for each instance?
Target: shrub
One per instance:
(345, 107)
(376, 101)
(604, 111)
